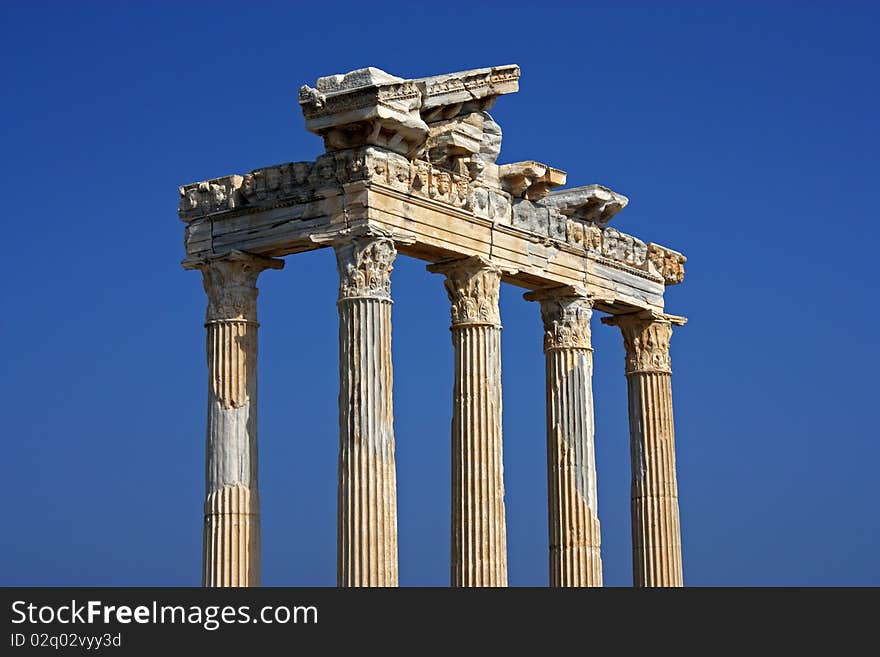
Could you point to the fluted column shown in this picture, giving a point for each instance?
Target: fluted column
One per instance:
(231, 547)
(656, 533)
(367, 504)
(575, 558)
(479, 528)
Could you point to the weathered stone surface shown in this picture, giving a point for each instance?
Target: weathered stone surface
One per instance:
(231, 553)
(365, 107)
(462, 135)
(362, 77)
(479, 525)
(299, 199)
(530, 180)
(666, 263)
(472, 285)
(208, 197)
(466, 91)
(487, 156)
(656, 532)
(592, 204)
(369, 106)
(531, 217)
(452, 143)
(575, 556)
(367, 517)
(623, 248)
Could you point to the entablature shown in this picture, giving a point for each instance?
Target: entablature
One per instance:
(435, 179)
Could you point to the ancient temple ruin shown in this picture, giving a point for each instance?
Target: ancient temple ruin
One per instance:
(411, 167)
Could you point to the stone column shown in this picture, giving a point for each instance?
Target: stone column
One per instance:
(231, 552)
(479, 529)
(656, 532)
(575, 558)
(367, 504)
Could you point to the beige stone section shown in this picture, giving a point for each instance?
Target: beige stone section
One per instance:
(575, 558)
(231, 547)
(656, 531)
(232, 537)
(367, 504)
(479, 528)
(231, 346)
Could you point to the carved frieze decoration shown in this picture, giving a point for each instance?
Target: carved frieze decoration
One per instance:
(219, 195)
(667, 263)
(584, 235)
(302, 182)
(623, 248)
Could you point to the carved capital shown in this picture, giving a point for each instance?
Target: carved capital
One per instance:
(230, 282)
(365, 264)
(473, 285)
(566, 312)
(646, 338)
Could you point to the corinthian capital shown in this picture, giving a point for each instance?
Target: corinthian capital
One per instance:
(473, 285)
(365, 264)
(230, 281)
(566, 312)
(646, 338)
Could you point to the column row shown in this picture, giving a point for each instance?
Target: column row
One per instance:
(367, 488)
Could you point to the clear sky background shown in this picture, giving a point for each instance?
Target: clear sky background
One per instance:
(745, 137)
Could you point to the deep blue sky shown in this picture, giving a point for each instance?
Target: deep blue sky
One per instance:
(745, 137)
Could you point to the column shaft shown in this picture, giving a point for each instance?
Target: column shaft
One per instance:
(575, 540)
(479, 528)
(479, 534)
(656, 533)
(231, 546)
(655, 516)
(367, 504)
